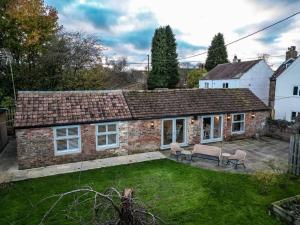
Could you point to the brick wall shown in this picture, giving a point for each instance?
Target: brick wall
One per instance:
(35, 146)
(142, 137)
(252, 125)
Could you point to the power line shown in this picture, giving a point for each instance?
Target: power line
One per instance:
(242, 38)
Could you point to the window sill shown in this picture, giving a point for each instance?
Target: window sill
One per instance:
(103, 148)
(67, 152)
(238, 132)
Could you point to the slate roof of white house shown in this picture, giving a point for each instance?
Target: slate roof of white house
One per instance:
(282, 68)
(42, 109)
(230, 70)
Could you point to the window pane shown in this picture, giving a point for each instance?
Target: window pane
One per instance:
(167, 132)
(61, 132)
(207, 128)
(112, 139)
(236, 127)
(102, 140)
(101, 128)
(73, 143)
(73, 131)
(61, 145)
(293, 115)
(238, 117)
(180, 131)
(111, 127)
(295, 91)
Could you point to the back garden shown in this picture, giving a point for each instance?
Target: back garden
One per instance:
(176, 192)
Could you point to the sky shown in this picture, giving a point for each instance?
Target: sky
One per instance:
(126, 27)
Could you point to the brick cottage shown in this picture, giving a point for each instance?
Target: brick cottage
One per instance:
(61, 127)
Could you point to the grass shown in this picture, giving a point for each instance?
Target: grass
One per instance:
(178, 193)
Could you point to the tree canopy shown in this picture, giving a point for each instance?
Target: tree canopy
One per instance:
(217, 53)
(194, 76)
(164, 72)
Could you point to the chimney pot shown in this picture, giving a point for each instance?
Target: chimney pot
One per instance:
(291, 53)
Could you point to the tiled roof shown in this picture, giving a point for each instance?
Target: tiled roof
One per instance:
(163, 103)
(230, 70)
(282, 68)
(48, 108)
(38, 109)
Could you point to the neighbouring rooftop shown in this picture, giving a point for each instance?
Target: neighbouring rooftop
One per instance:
(230, 70)
(41, 109)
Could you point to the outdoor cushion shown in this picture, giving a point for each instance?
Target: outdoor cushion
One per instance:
(238, 155)
(175, 147)
(207, 150)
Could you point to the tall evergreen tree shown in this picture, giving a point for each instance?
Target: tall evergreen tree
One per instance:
(217, 53)
(172, 63)
(164, 73)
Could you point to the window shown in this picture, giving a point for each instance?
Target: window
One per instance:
(225, 85)
(107, 135)
(238, 123)
(294, 115)
(66, 140)
(296, 90)
(206, 85)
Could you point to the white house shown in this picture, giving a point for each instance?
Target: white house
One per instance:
(254, 75)
(285, 88)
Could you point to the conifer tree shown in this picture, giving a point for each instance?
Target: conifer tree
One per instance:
(164, 73)
(217, 53)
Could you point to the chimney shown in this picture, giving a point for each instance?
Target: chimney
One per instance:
(291, 53)
(235, 59)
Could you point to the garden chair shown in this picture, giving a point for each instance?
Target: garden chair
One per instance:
(237, 159)
(176, 150)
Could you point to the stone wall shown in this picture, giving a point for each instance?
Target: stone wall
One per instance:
(253, 125)
(142, 137)
(35, 146)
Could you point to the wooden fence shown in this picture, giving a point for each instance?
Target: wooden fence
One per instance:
(10, 117)
(294, 155)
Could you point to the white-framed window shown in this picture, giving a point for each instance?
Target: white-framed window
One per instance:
(67, 140)
(238, 123)
(107, 135)
(206, 85)
(225, 85)
(296, 90)
(294, 115)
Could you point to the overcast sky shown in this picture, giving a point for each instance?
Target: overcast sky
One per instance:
(126, 27)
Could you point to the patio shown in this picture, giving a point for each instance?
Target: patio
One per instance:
(260, 154)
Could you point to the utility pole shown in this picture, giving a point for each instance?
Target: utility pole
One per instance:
(148, 60)
(6, 55)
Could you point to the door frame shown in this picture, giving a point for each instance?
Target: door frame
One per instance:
(162, 146)
(211, 129)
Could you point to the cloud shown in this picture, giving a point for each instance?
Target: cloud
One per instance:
(126, 27)
(99, 17)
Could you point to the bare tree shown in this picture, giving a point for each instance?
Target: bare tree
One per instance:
(118, 65)
(92, 207)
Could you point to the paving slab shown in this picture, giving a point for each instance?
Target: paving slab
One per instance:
(9, 169)
(260, 154)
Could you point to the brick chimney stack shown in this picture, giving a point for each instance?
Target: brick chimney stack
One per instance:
(235, 59)
(291, 53)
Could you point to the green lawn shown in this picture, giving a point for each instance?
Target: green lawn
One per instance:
(176, 192)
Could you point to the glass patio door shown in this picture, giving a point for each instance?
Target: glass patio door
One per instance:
(173, 130)
(212, 128)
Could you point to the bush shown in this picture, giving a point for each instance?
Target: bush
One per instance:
(266, 179)
(281, 124)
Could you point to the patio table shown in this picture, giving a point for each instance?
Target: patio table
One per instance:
(187, 155)
(225, 156)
